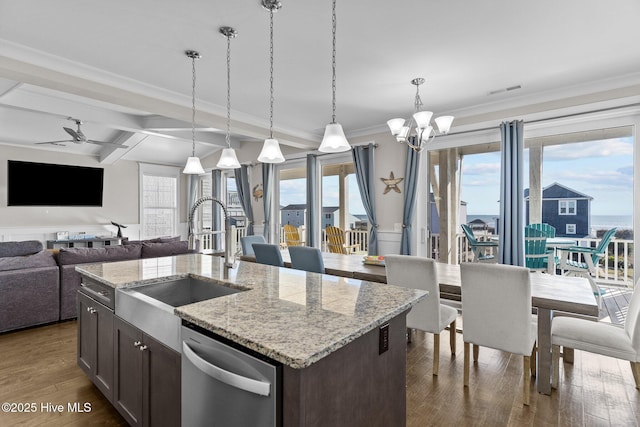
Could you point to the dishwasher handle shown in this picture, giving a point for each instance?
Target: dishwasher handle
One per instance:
(234, 380)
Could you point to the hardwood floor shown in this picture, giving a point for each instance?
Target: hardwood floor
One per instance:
(39, 365)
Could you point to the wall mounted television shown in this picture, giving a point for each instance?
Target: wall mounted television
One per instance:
(45, 184)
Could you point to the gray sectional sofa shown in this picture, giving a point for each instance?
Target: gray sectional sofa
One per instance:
(39, 286)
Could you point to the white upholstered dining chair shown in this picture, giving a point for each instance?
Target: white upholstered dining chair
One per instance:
(428, 315)
(496, 312)
(600, 338)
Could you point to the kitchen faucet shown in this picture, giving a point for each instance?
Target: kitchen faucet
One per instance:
(228, 253)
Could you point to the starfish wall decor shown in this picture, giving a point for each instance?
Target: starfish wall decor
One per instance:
(391, 183)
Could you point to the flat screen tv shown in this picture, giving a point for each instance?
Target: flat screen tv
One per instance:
(45, 184)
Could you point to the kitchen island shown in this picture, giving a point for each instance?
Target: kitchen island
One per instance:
(340, 341)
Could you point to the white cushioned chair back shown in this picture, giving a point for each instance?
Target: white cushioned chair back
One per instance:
(496, 307)
(417, 273)
(633, 318)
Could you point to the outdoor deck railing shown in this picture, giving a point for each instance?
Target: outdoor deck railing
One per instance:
(616, 268)
(352, 237)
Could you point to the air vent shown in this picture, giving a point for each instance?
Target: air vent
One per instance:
(507, 89)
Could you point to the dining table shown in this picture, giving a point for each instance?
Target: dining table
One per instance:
(550, 294)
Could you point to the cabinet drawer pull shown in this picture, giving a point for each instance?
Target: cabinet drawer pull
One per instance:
(142, 347)
(137, 343)
(91, 310)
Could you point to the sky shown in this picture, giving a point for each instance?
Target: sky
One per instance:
(601, 169)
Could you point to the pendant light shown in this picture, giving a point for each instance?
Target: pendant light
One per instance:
(193, 166)
(228, 159)
(271, 148)
(334, 140)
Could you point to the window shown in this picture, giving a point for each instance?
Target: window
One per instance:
(158, 200)
(566, 207)
(571, 229)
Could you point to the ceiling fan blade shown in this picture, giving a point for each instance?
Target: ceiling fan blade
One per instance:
(54, 142)
(106, 143)
(73, 134)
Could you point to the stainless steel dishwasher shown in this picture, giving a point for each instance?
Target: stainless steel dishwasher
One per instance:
(225, 386)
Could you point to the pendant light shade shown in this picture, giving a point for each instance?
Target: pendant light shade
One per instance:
(271, 148)
(193, 166)
(228, 159)
(271, 152)
(334, 140)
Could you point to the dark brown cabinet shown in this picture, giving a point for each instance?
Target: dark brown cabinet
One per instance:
(95, 343)
(147, 378)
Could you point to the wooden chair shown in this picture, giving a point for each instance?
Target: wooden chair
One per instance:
(496, 312)
(535, 249)
(480, 250)
(292, 236)
(428, 315)
(336, 241)
(591, 258)
(547, 229)
(600, 338)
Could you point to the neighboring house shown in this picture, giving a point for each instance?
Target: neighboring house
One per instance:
(362, 223)
(331, 216)
(293, 214)
(568, 210)
(478, 224)
(296, 214)
(434, 218)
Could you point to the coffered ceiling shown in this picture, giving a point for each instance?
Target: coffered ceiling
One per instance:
(119, 66)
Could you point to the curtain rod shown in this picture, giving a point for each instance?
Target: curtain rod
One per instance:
(563, 116)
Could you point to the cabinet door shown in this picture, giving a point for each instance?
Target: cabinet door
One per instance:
(95, 343)
(127, 391)
(103, 372)
(87, 335)
(161, 384)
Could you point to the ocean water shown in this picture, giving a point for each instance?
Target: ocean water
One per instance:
(597, 221)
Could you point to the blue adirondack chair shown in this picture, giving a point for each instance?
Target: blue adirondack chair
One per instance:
(535, 249)
(548, 229)
(591, 256)
(482, 251)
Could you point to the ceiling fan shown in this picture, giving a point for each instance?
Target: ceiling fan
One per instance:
(79, 138)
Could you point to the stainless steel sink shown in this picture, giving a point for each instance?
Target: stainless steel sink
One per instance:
(150, 307)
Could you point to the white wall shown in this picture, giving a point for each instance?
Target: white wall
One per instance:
(120, 199)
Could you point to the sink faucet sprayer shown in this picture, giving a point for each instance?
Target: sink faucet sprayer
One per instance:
(228, 253)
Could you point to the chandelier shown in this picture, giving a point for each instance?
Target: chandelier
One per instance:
(424, 131)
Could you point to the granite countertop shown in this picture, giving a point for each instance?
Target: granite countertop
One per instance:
(291, 316)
